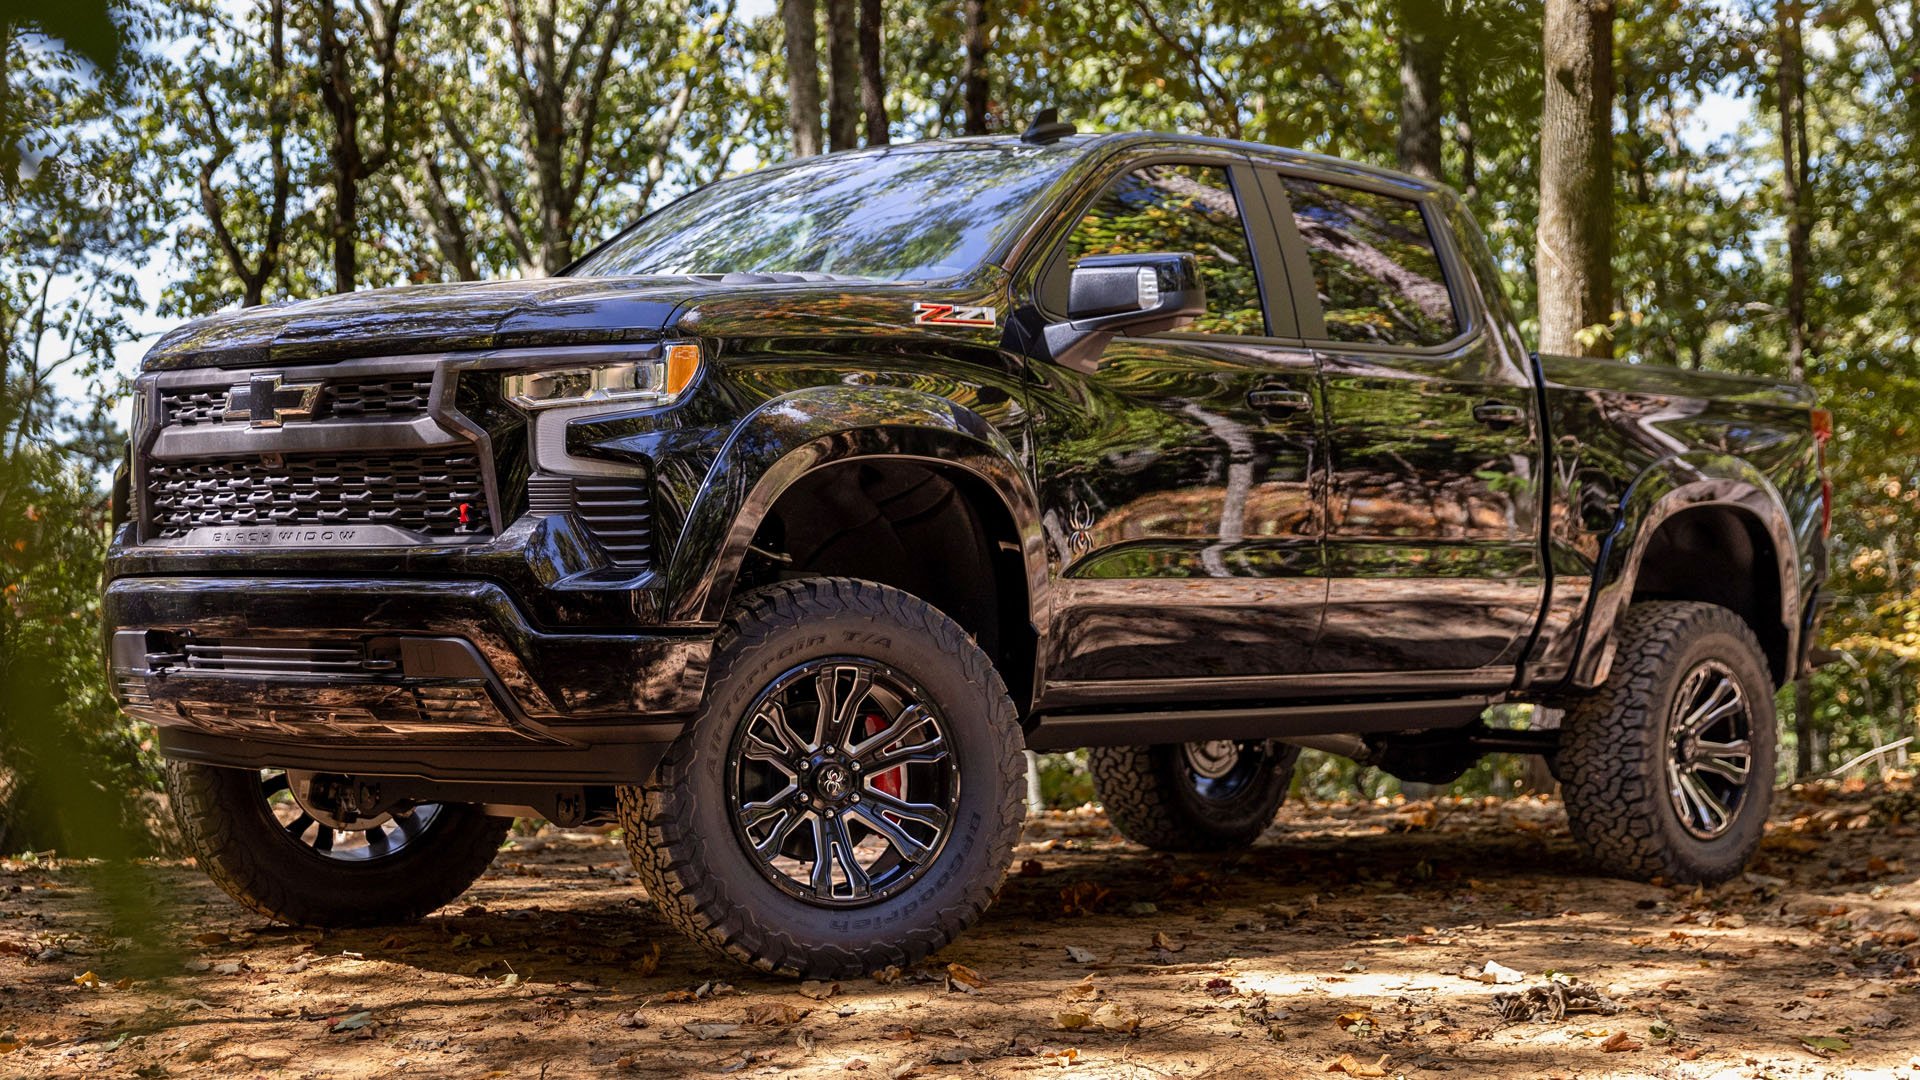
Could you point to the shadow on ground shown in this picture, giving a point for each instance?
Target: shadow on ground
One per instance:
(1345, 938)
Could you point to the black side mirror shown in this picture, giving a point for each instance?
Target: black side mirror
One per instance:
(1136, 294)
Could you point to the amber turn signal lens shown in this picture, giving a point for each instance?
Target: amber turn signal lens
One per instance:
(683, 363)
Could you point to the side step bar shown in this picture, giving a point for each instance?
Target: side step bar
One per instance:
(1067, 731)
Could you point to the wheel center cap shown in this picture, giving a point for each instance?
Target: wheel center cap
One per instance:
(832, 782)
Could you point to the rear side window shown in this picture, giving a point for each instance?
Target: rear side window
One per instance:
(1374, 265)
(1180, 208)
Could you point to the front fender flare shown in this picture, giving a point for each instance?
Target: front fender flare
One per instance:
(1666, 488)
(794, 434)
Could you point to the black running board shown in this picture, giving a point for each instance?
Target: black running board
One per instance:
(1067, 731)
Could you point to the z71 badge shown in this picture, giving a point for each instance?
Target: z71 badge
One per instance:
(930, 314)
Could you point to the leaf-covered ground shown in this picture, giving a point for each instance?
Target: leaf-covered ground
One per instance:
(1459, 937)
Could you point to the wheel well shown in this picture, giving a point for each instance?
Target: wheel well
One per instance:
(1719, 555)
(934, 531)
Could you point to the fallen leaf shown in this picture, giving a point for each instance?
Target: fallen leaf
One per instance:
(1360, 1023)
(350, 1023)
(1825, 1044)
(1084, 990)
(1495, 972)
(710, 1031)
(1162, 941)
(1116, 1017)
(1353, 1066)
(818, 990)
(87, 979)
(1619, 1043)
(776, 1013)
(966, 976)
(647, 964)
(1081, 956)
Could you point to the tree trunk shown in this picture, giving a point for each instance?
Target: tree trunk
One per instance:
(973, 77)
(1792, 78)
(1424, 37)
(336, 93)
(873, 79)
(843, 74)
(349, 162)
(1575, 242)
(803, 75)
(1793, 173)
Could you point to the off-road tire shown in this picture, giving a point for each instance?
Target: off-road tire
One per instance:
(231, 830)
(1150, 798)
(1613, 744)
(680, 833)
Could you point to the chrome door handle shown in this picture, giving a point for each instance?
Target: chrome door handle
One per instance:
(1279, 401)
(1497, 414)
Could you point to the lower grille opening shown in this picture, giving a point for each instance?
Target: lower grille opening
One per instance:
(616, 513)
(270, 656)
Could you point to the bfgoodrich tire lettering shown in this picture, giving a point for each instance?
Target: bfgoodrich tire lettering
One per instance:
(247, 850)
(683, 833)
(1618, 745)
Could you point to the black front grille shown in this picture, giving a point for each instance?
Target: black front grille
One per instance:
(435, 494)
(188, 407)
(396, 397)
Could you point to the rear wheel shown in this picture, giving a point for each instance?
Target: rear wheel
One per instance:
(850, 794)
(272, 840)
(1198, 796)
(1667, 769)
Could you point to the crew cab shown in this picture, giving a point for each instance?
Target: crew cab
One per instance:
(777, 526)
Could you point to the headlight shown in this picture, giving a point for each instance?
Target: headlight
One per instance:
(659, 381)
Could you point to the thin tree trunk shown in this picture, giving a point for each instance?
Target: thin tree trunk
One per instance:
(1463, 137)
(1793, 172)
(843, 74)
(803, 75)
(1792, 77)
(873, 78)
(973, 77)
(1575, 242)
(1424, 37)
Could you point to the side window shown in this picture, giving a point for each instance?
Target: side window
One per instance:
(1180, 208)
(1374, 265)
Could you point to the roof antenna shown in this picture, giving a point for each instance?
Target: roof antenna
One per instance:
(1046, 128)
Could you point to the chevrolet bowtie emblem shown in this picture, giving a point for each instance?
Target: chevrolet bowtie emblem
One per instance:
(269, 403)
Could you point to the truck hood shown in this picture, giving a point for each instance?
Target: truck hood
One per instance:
(431, 318)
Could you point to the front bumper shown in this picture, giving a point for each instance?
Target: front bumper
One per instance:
(445, 680)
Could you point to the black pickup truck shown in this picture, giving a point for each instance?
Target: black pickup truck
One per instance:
(776, 527)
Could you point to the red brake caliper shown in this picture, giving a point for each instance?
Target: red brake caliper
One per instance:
(889, 782)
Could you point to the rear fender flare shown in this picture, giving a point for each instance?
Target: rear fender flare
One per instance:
(795, 434)
(1662, 490)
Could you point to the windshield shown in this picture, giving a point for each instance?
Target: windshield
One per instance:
(900, 215)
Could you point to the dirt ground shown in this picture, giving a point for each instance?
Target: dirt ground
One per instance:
(1343, 942)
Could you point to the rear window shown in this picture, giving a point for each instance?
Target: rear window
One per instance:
(1374, 265)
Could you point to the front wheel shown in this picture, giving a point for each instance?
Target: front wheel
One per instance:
(270, 839)
(1667, 769)
(848, 797)
(1199, 796)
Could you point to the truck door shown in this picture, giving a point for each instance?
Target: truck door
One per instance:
(1179, 478)
(1434, 488)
